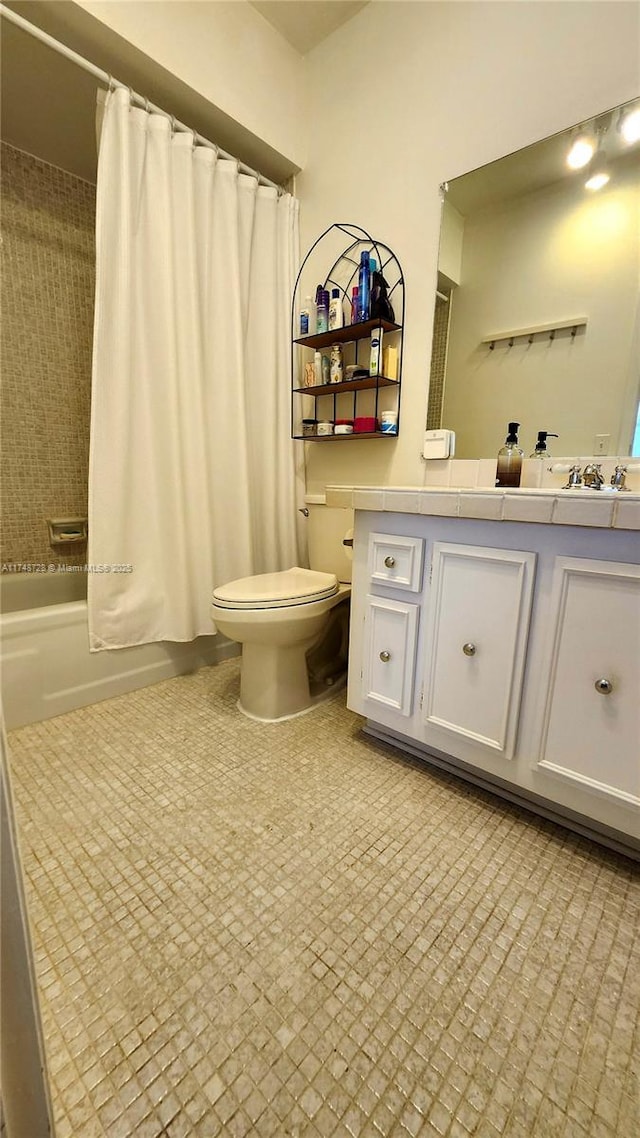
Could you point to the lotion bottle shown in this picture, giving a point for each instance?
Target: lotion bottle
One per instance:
(306, 328)
(510, 459)
(375, 356)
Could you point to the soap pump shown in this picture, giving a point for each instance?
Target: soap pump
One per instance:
(510, 459)
(541, 444)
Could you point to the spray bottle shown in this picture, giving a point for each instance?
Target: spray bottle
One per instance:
(363, 286)
(354, 305)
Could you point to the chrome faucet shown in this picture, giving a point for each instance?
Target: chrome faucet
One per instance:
(592, 476)
(618, 478)
(575, 478)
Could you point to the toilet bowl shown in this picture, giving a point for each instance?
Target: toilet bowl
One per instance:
(278, 618)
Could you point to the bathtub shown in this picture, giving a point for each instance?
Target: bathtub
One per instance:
(47, 667)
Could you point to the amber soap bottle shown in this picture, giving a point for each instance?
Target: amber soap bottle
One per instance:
(509, 466)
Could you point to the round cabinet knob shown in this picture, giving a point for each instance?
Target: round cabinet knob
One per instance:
(469, 649)
(604, 687)
(385, 657)
(389, 561)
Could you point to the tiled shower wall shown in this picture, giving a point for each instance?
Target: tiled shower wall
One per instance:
(438, 364)
(48, 280)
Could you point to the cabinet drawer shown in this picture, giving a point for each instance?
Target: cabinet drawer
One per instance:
(591, 724)
(389, 653)
(396, 561)
(476, 638)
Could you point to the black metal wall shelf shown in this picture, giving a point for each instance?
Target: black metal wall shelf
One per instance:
(350, 332)
(344, 438)
(343, 274)
(368, 384)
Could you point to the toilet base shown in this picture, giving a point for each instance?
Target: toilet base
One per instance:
(274, 682)
(314, 700)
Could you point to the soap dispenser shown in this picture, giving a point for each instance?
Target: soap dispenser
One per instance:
(510, 459)
(541, 444)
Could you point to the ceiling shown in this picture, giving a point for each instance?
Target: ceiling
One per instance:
(305, 23)
(48, 103)
(533, 168)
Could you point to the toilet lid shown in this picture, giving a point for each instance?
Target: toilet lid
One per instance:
(275, 590)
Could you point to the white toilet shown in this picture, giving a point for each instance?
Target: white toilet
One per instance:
(279, 617)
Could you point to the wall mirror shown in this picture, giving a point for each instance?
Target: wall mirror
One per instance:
(537, 309)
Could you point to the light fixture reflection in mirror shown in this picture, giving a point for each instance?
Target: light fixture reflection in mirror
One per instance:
(581, 152)
(524, 246)
(630, 125)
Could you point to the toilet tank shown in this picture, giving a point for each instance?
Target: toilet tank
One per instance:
(326, 528)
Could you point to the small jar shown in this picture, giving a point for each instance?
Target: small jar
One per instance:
(324, 427)
(389, 422)
(309, 427)
(343, 427)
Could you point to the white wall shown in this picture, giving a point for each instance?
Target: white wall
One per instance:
(408, 95)
(451, 241)
(559, 253)
(225, 51)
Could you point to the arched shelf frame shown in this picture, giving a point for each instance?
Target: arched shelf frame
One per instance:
(343, 274)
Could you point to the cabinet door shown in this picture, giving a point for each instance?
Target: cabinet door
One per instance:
(476, 638)
(389, 653)
(591, 723)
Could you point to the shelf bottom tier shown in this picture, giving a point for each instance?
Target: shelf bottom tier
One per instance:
(343, 438)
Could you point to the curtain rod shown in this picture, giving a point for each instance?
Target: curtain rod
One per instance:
(104, 77)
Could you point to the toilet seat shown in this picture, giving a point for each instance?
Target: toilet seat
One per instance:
(276, 590)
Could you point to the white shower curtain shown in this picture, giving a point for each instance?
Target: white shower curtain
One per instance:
(193, 478)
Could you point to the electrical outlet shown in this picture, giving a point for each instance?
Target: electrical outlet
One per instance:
(601, 444)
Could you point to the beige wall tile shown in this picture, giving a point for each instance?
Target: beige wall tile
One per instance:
(48, 281)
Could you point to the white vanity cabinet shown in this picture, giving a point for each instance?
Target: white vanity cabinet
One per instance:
(514, 660)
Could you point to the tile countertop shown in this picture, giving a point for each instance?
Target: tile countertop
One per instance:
(600, 508)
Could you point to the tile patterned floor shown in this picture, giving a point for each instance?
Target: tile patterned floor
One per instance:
(291, 931)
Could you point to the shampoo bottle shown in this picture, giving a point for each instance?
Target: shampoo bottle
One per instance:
(336, 316)
(322, 318)
(510, 459)
(541, 445)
